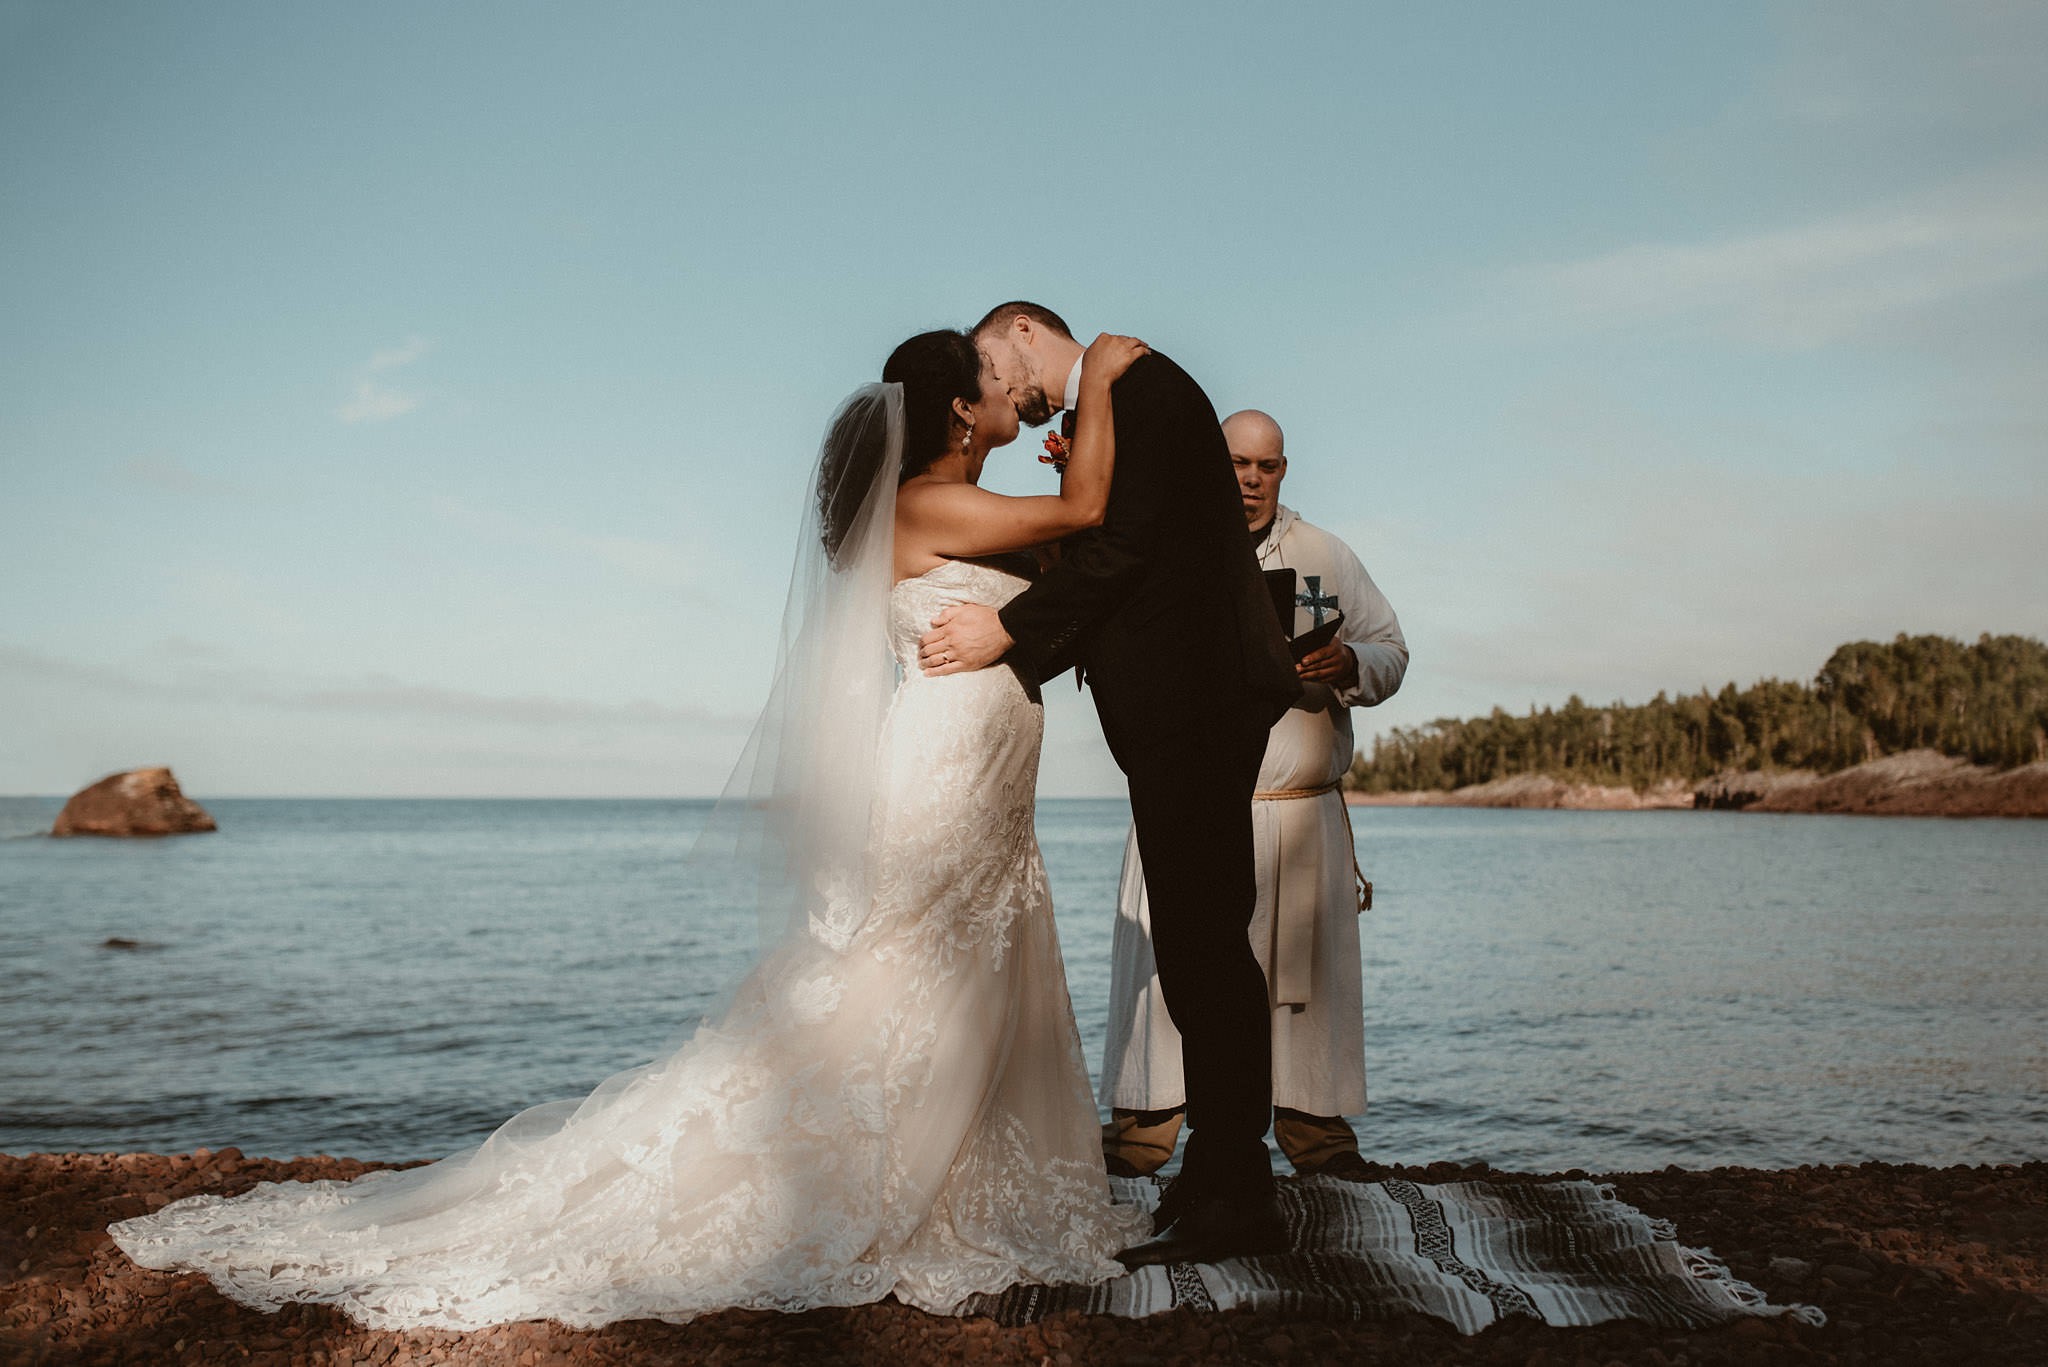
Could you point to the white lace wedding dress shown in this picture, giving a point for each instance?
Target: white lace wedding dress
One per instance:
(909, 1115)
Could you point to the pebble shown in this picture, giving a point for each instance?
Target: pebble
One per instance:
(1793, 1270)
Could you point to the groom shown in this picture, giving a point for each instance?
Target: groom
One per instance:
(1163, 609)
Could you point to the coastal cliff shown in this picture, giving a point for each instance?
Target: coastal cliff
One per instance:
(1539, 791)
(1916, 783)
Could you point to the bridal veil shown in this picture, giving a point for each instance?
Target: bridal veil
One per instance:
(795, 816)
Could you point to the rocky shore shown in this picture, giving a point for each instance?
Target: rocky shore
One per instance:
(1913, 1265)
(1538, 791)
(1915, 783)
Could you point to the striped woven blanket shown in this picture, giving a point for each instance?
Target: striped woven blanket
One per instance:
(1471, 1253)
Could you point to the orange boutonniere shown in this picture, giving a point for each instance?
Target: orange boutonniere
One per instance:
(1056, 452)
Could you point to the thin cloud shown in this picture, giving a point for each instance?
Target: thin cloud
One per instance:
(404, 354)
(386, 695)
(656, 562)
(377, 694)
(1809, 285)
(373, 402)
(184, 648)
(168, 475)
(20, 663)
(377, 397)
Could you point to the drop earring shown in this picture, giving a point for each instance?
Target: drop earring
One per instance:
(966, 438)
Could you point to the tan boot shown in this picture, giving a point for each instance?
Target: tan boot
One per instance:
(1138, 1143)
(1313, 1142)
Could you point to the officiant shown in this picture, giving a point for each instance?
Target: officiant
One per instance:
(1305, 926)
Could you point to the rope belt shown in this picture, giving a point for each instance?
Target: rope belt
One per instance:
(1293, 794)
(1298, 794)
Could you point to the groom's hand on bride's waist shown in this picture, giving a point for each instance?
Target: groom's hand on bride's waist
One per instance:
(963, 637)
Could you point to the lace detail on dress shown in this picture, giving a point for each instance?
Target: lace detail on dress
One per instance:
(960, 861)
(907, 1114)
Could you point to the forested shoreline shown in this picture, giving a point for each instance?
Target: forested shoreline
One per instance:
(1986, 703)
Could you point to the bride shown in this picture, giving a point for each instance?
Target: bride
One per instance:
(894, 1100)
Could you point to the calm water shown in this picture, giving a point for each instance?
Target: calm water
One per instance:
(1544, 989)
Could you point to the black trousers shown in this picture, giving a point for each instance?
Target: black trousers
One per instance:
(1191, 805)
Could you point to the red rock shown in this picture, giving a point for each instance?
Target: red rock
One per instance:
(138, 802)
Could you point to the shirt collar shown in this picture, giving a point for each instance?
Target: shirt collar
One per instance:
(1073, 390)
(1283, 522)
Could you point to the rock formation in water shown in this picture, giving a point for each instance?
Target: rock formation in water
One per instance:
(139, 802)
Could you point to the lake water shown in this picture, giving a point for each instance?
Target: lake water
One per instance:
(1544, 990)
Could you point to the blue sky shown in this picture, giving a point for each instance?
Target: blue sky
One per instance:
(418, 399)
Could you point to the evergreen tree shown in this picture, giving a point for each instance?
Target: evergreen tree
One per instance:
(1987, 703)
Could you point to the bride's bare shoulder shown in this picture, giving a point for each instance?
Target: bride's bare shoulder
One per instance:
(938, 499)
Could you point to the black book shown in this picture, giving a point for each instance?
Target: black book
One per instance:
(1280, 584)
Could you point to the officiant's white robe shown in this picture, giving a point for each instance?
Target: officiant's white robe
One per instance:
(1305, 925)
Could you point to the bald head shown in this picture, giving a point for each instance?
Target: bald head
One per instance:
(1251, 430)
(1258, 451)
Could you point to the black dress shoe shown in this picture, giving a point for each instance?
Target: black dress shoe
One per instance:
(1173, 1203)
(1215, 1229)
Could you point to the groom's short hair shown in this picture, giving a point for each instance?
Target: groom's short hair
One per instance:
(999, 317)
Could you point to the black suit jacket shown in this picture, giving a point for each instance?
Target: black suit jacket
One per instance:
(1163, 605)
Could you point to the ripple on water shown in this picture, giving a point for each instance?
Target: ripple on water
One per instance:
(1546, 990)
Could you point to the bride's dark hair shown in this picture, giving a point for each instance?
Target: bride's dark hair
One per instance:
(934, 369)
